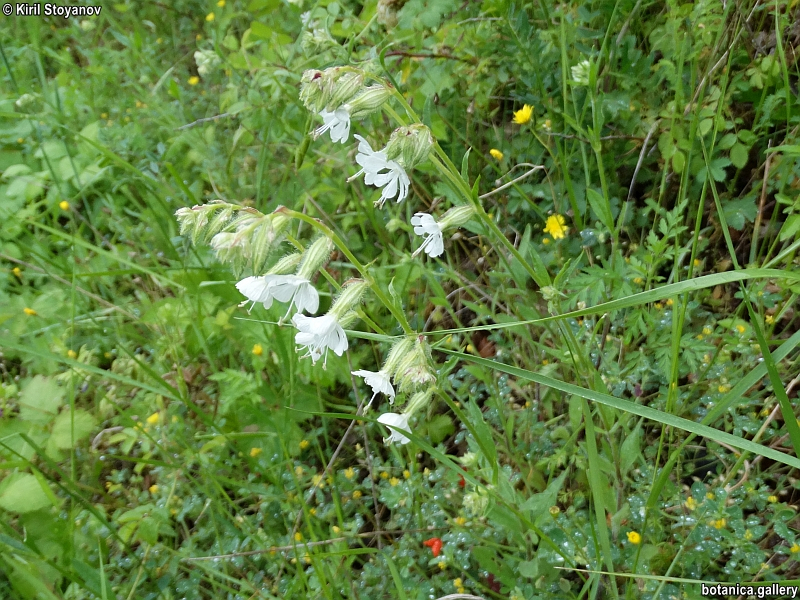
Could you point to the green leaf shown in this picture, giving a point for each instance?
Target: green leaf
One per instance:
(40, 400)
(539, 505)
(62, 433)
(739, 155)
(630, 450)
(678, 162)
(465, 166)
(439, 427)
(601, 208)
(22, 493)
(740, 211)
(483, 435)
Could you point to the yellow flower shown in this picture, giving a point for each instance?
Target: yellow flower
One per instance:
(496, 154)
(394, 481)
(442, 565)
(72, 354)
(723, 388)
(17, 271)
(312, 512)
(707, 330)
(407, 474)
(772, 499)
(298, 470)
(336, 529)
(634, 538)
(794, 549)
(769, 319)
(194, 80)
(460, 521)
(719, 523)
(198, 37)
(258, 350)
(20, 140)
(210, 17)
(523, 115)
(546, 241)
(153, 419)
(349, 473)
(153, 488)
(298, 537)
(63, 205)
(636, 280)
(555, 226)
(357, 494)
(384, 475)
(697, 262)
(741, 328)
(255, 452)
(104, 116)
(29, 311)
(304, 444)
(691, 503)
(748, 535)
(317, 481)
(710, 495)
(221, 3)
(670, 302)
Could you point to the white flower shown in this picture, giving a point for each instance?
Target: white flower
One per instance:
(381, 172)
(426, 226)
(379, 382)
(338, 122)
(398, 422)
(298, 291)
(318, 335)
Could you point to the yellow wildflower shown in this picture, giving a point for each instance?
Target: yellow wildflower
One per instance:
(298, 470)
(634, 538)
(255, 452)
(317, 481)
(691, 503)
(442, 565)
(20, 140)
(153, 488)
(407, 474)
(17, 271)
(546, 241)
(795, 548)
(312, 512)
(710, 495)
(555, 226)
(460, 521)
(298, 537)
(741, 328)
(748, 535)
(72, 354)
(722, 388)
(496, 154)
(336, 529)
(394, 481)
(258, 350)
(638, 280)
(523, 115)
(194, 80)
(349, 472)
(707, 330)
(153, 419)
(384, 475)
(198, 37)
(719, 523)
(357, 494)
(210, 17)
(221, 3)
(104, 116)
(772, 498)
(304, 444)
(697, 262)
(63, 205)
(769, 319)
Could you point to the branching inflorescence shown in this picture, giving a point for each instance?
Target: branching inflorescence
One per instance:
(245, 238)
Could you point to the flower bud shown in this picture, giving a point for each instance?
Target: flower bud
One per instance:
(286, 265)
(345, 83)
(415, 369)
(315, 257)
(368, 101)
(456, 217)
(206, 60)
(417, 401)
(312, 92)
(349, 298)
(397, 353)
(476, 503)
(410, 145)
